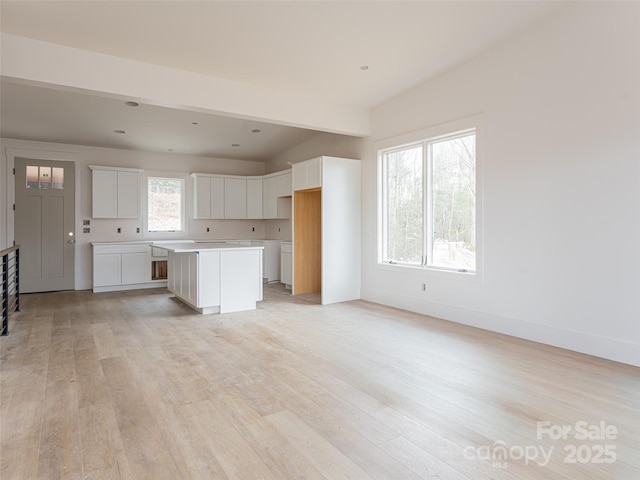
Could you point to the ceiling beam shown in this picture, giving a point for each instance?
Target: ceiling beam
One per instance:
(57, 66)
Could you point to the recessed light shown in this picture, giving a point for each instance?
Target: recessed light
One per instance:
(194, 123)
(235, 145)
(119, 132)
(170, 149)
(256, 130)
(364, 67)
(131, 104)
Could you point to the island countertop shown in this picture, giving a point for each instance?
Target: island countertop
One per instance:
(184, 247)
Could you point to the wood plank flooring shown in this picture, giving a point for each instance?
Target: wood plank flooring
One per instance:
(135, 385)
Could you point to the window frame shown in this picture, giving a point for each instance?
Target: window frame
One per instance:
(160, 234)
(424, 137)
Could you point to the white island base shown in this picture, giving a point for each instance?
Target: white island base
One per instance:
(215, 278)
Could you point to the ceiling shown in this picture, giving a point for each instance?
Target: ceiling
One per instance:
(314, 49)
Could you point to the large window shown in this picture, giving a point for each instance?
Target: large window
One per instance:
(429, 203)
(165, 204)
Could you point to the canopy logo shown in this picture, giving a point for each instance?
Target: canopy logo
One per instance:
(586, 444)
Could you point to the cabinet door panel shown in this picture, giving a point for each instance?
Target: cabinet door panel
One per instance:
(314, 173)
(107, 269)
(269, 203)
(104, 194)
(299, 171)
(217, 197)
(135, 268)
(202, 196)
(128, 195)
(254, 198)
(235, 198)
(284, 188)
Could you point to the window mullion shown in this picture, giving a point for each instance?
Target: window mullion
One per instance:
(428, 205)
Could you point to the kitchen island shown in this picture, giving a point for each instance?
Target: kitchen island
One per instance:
(214, 277)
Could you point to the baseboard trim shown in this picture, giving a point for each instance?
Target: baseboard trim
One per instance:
(598, 346)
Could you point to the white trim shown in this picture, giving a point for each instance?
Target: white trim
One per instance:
(186, 207)
(581, 342)
(52, 155)
(116, 169)
(425, 136)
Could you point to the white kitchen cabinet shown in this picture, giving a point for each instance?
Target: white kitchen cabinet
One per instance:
(276, 195)
(286, 264)
(283, 185)
(307, 174)
(208, 196)
(235, 198)
(254, 198)
(122, 267)
(269, 197)
(107, 269)
(115, 192)
(326, 228)
(270, 258)
(135, 267)
(214, 278)
(217, 197)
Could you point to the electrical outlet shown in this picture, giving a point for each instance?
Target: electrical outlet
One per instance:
(424, 287)
(207, 229)
(119, 230)
(253, 229)
(137, 229)
(278, 228)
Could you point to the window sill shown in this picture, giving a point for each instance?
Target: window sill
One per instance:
(431, 272)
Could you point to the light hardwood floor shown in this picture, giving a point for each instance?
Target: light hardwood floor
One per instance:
(134, 385)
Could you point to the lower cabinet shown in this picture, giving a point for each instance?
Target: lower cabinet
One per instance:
(270, 259)
(286, 264)
(121, 267)
(213, 281)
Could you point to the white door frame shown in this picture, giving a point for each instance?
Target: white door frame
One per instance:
(11, 155)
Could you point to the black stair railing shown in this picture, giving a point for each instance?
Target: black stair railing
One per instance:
(10, 286)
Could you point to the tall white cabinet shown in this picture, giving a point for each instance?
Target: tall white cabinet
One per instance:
(326, 228)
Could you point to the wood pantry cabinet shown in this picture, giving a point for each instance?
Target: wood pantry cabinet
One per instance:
(326, 228)
(115, 192)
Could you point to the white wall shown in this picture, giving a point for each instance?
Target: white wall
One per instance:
(561, 181)
(323, 144)
(105, 230)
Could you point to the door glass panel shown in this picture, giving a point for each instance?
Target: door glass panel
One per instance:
(45, 177)
(57, 178)
(32, 177)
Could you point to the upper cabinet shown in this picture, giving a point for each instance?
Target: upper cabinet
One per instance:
(276, 195)
(115, 192)
(307, 174)
(254, 198)
(235, 197)
(208, 195)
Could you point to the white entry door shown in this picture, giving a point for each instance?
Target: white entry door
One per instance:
(44, 224)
